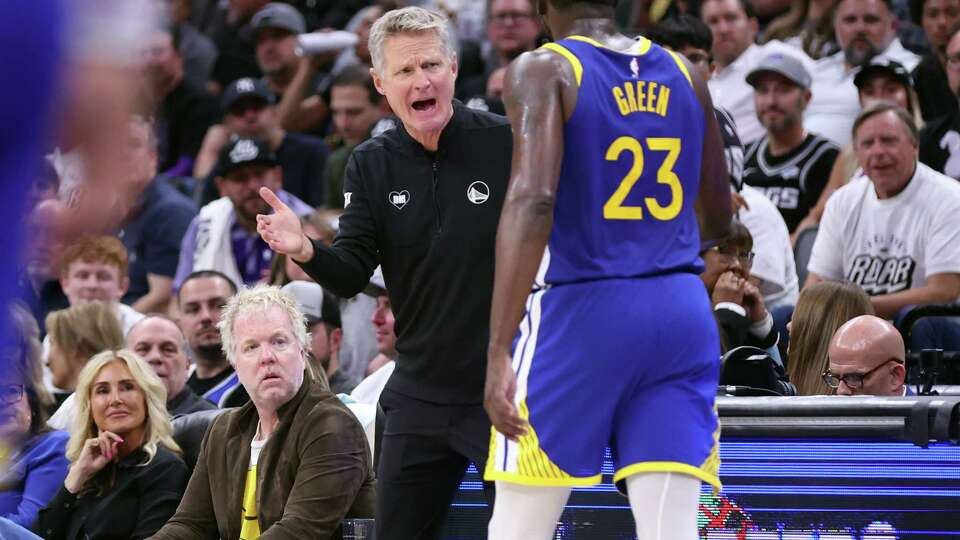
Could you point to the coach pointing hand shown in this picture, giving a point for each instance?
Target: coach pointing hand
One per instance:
(419, 204)
(281, 230)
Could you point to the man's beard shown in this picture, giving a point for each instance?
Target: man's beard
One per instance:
(210, 351)
(856, 57)
(786, 122)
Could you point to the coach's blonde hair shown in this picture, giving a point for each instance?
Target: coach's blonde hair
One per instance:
(158, 429)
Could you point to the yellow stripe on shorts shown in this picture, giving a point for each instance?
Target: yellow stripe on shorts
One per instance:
(533, 466)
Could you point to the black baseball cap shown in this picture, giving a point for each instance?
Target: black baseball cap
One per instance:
(884, 66)
(245, 87)
(239, 152)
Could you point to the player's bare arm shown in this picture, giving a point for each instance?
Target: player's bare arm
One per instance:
(539, 93)
(714, 210)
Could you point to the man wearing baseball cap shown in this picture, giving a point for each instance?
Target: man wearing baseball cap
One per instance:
(249, 111)
(789, 164)
(276, 27)
(223, 236)
(326, 332)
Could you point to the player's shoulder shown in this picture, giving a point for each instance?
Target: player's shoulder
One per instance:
(549, 62)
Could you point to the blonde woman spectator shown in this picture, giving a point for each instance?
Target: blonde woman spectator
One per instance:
(126, 476)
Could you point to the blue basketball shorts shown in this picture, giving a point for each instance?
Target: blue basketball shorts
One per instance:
(629, 364)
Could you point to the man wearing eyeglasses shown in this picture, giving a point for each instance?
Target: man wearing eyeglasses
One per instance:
(737, 301)
(867, 358)
(512, 29)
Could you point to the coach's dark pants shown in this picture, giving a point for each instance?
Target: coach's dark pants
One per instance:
(425, 450)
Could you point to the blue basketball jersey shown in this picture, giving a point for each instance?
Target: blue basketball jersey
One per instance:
(631, 167)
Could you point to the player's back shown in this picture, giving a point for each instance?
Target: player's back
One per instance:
(631, 167)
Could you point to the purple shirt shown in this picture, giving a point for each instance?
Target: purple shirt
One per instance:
(250, 252)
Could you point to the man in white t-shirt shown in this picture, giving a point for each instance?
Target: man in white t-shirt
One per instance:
(774, 264)
(865, 29)
(892, 230)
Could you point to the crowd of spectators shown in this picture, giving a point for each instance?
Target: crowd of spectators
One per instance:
(840, 121)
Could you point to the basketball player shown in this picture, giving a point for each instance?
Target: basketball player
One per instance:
(616, 154)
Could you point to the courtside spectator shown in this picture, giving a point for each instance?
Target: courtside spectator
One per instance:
(940, 139)
(97, 268)
(198, 51)
(893, 229)
(275, 31)
(223, 236)
(881, 80)
(735, 54)
(806, 25)
(737, 303)
(820, 311)
(867, 357)
(939, 19)
(249, 112)
(864, 29)
(200, 300)
(75, 335)
(153, 225)
(181, 111)
(356, 107)
(326, 332)
(232, 33)
(383, 323)
(790, 164)
(36, 465)
(126, 476)
(312, 455)
(513, 27)
(39, 285)
(160, 343)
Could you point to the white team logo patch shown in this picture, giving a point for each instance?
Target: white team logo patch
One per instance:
(399, 199)
(635, 68)
(245, 150)
(346, 198)
(245, 85)
(478, 192)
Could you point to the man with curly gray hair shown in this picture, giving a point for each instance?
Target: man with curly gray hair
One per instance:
(315, 464)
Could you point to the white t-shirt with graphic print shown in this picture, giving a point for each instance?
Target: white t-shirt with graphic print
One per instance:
(894, 244)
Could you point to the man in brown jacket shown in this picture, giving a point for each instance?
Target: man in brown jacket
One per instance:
(294, 461)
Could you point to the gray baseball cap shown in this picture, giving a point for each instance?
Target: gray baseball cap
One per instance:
(315, 303)
(783, 64)
(277, 15)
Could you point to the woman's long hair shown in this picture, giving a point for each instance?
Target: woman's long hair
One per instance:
(86, 328)
(157, 432)
(27, 368)
(821, 310)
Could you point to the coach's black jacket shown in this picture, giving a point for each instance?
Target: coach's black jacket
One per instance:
(431, 220)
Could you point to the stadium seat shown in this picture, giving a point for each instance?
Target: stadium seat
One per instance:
(189, 430)
(801, 252)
